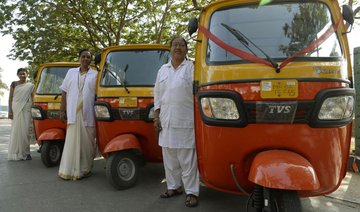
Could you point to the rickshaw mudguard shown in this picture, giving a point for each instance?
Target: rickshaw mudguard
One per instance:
(122, 142)
(282, 169)
(52, 134)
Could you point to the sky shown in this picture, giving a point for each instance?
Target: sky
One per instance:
(9, 67)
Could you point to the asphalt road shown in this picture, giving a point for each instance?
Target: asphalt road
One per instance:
(30, 186)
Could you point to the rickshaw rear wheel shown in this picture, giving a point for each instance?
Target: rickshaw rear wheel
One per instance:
(284, 200)
(51, 152)
(122, 170)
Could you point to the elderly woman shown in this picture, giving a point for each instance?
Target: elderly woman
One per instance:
(20, 102)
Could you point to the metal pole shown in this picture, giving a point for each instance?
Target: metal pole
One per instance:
(357, 107)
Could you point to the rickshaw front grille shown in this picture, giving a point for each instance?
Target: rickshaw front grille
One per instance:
(129, 113)
(302, 113)
(52, 114)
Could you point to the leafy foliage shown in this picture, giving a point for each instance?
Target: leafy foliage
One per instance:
(299, 32)
(54, 30)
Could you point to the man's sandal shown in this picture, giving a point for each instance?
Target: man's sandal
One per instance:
(191, 200)
(171, 192)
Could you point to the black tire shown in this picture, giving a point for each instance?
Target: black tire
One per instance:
(51, 152)
(122, 170)
(284, 201)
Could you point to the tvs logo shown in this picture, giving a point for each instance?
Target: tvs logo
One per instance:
(279, 109)
(275, 112)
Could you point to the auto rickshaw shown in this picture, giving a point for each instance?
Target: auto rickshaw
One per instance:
(273, 99)
(124, 109)
(49, 130)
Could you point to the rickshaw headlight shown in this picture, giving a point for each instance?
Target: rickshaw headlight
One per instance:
(219, 108)
(337, 108)
(36, 113)
(102, 112)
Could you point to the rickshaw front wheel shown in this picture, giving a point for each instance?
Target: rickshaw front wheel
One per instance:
(122, 170)
(284, 200)
(274, 200)
(51, 152)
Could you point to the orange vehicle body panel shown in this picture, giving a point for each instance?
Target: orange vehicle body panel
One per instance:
(121, 142)
(283, 169)
(113, 134)
(52, 134)
(49, 129)
(327, 149)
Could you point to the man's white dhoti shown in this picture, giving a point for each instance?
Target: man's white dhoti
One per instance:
(181, 164)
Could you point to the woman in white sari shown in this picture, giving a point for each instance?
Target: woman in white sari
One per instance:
(77, 105)
(20, 101)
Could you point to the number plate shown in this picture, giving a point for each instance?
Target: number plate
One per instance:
(278, 89)
(53, 106)
(276, 112)
(128, 102)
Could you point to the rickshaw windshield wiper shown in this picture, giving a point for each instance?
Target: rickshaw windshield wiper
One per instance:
(112, 74)
(124, 79)
(120, 79)
(245, 41)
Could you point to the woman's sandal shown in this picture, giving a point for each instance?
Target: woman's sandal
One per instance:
(171, 192)
(191, 200)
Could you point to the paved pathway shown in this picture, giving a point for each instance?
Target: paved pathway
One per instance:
(30, 186)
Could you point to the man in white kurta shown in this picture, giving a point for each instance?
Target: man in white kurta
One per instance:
(79, 149)
(173, 100)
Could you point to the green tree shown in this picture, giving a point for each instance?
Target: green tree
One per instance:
(54, 30)
(304, 27)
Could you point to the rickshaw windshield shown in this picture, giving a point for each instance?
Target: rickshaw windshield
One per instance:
(50, 80)
(133, 67)
(278, 30)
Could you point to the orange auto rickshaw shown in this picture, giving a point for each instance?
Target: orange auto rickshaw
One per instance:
(49, 130)
(273, 99)
(124, 109)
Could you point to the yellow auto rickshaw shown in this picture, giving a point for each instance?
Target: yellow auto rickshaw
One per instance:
(49, 130)
(273, 99)
(124, 109)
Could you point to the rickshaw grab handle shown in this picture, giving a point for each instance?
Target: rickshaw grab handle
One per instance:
(232, 169)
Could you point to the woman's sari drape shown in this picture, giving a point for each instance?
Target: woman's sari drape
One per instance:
(19, 146)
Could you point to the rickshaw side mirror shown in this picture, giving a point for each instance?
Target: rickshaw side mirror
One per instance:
(348, 15)
(192, 26)
(97, 59)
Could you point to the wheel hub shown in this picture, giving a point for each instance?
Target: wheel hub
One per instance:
(54, 153)
(126, 169)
